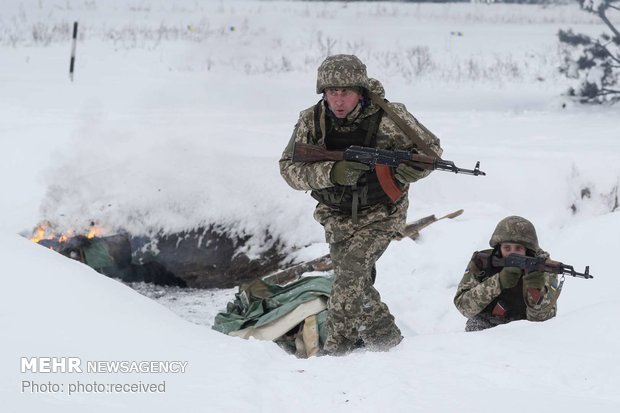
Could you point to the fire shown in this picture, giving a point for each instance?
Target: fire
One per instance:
(94, 231)
(66, 235)
(39, 234)
(43, 232)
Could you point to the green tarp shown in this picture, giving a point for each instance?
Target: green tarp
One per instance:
(97, 256)
(260, 302)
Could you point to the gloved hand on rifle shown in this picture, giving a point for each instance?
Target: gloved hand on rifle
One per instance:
(406, 174)
(347, 172)
(509, 277)
(535, 279)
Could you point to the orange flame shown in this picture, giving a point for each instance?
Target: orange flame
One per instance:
(66, 235)
(94, 232)
(39, 234)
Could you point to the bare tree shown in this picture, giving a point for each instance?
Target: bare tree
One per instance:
(594, 62)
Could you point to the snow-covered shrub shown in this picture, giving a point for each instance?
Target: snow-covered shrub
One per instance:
(594, 63)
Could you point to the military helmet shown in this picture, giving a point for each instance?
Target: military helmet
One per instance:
(342, 70)
(517, 230)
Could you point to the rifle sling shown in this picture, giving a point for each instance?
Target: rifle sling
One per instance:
(408, 130)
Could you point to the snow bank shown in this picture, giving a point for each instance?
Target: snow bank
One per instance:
(59, 308)
(170, 132)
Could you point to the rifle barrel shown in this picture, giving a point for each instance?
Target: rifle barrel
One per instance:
(569, 270)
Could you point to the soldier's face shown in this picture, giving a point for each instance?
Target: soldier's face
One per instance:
(341, 101)
(508, 248)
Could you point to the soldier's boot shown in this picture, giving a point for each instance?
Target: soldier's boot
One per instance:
(338, 345)
(483, 321)
(382, 339)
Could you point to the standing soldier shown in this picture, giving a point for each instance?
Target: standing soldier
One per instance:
(358, 217)
(490, 296)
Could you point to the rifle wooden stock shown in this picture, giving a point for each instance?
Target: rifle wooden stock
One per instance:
(413, 229)
(302, 152)
(422, 161)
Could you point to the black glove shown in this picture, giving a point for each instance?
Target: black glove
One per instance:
(509, 277)
(406, 174)
(347, 172)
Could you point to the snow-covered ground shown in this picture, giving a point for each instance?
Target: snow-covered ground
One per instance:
(177, 116)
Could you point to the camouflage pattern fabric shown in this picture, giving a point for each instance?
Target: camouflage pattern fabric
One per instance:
(356, 315)
(341, 71)
(517, 230)
(306, 176)
(478, 289)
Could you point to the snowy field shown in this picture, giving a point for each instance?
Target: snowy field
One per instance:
(177, 116)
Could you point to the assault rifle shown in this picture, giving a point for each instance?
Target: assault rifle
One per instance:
(533, 264)
(381, 160)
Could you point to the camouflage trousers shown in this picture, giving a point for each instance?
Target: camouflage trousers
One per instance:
(356, 316)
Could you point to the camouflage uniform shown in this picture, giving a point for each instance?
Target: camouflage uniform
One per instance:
(479, 296)
(356, 315)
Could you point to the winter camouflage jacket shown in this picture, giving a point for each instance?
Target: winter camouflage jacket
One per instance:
(479, 292)
(307, 176)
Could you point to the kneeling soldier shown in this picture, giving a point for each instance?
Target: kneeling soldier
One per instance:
(489, 296)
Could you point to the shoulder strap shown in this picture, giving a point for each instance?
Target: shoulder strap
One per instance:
(408, 130)
(373, 127)
(319, 121)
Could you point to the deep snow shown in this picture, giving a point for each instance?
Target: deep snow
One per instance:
(177, 117)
